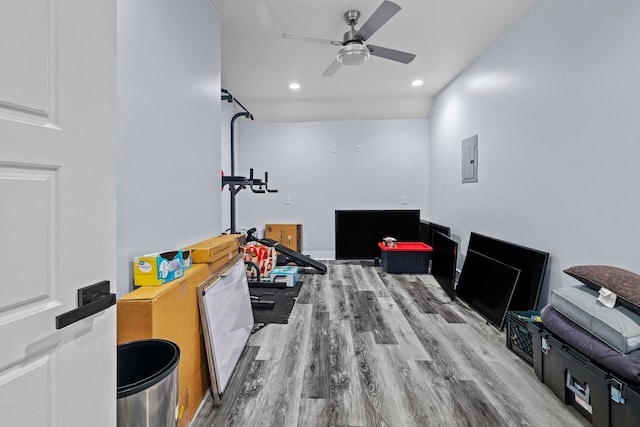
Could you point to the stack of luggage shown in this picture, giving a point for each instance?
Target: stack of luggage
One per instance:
(587, 349)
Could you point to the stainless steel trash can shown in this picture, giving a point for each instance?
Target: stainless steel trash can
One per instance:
(148, 383)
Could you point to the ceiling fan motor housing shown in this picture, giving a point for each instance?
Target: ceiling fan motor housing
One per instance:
(353, 54)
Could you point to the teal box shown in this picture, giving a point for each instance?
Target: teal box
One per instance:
(285, 274)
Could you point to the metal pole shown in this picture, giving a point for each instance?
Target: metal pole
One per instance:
(232, 204)
(232, 193)
(233, 121)
(232, 190)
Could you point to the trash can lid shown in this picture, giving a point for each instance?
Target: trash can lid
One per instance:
(144, 363)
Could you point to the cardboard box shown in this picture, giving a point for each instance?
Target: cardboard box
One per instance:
(216, 266)
(215, 248)
(157, 268)
(171, 312)
(290, 275)
(289, 235)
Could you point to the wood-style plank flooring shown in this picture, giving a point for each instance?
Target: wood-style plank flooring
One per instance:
(367, 348)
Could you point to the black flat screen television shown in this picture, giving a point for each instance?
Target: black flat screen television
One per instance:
(358, 232)
(532, 264)
(487, 285)
(427, 229)
(444, 258)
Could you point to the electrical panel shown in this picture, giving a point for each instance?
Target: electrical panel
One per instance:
(470, 159)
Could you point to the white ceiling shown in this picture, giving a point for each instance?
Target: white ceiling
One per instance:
(258, 64)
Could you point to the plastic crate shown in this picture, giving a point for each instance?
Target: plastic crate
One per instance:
(518, 337)
(405, 257)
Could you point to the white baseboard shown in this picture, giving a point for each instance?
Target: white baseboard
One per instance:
(321, 255)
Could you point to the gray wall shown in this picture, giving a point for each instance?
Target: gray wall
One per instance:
(555, 106)
(168, 148)
(392, 163)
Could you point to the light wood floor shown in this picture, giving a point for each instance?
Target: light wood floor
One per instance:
(367, 348)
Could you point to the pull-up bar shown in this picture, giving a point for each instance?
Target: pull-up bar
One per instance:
(226, 96)
(229, 98)
(237, 183)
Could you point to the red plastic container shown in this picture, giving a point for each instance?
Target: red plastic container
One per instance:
(405, 257)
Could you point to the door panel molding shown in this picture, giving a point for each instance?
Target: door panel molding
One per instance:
(31, 238)
(37, 407)
(29, 75)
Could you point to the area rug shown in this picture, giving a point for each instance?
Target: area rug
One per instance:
(284, 300)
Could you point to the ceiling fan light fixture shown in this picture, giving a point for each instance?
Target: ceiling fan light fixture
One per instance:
(353, 54)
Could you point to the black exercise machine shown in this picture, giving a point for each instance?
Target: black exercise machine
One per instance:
(291, 255)
(238, 183)
(261, 304)
(277, 282)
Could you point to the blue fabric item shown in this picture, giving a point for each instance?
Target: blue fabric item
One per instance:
(626, 366)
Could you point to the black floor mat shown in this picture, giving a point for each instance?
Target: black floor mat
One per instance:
(284, 300)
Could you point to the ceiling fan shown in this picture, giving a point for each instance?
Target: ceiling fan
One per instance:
(353, 51)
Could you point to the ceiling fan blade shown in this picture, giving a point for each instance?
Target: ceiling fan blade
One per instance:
(383, 13)
(335, 65)
(311, 39)
(392, 54)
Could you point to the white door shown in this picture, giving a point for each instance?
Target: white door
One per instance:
(57, 210)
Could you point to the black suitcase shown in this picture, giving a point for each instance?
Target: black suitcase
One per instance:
(597, 394)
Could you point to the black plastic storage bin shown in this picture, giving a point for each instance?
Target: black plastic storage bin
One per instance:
(148, 383)
(624, 403)
(518, 337)
(406, 257)
(548, 361)
(596, 393)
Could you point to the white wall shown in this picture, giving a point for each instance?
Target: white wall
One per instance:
(168, 148)
(555, 106)
(392, 163)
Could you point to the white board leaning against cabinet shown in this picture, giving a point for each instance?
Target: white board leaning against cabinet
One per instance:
(227, 321)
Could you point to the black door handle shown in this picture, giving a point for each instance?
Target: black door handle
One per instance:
(92, 299)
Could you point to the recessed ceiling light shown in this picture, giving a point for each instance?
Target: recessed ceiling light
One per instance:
(417, 83)
(294, 86)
